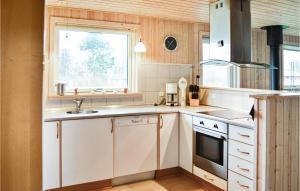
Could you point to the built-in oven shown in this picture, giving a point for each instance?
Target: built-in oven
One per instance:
(210, 149)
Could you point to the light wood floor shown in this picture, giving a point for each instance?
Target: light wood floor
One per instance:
(170, 183)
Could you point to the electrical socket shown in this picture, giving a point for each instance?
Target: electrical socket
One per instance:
(161, 94)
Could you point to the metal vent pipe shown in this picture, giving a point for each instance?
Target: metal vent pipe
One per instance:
(275, 40)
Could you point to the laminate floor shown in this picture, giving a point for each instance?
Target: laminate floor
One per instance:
(171, 183)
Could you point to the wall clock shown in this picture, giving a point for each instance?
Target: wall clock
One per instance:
(171, 43)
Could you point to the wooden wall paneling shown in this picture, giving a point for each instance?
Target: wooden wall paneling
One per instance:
(167, 31)
(286, 144)
(262, 142)
(279, 145)
(279, 149)
(156, 41)
(22, 40)
(190, 48)
(159, 45)
(196, 51)
(294, 148)
(271, 142)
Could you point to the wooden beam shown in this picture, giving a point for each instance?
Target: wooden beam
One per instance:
(21, 101)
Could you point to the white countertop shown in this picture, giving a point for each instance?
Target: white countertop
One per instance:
(114, 111)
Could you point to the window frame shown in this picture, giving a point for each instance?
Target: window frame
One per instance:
(232, 73)
(59, 23)
(291, 48)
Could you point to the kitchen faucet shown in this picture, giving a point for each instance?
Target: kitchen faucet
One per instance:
(78, 102)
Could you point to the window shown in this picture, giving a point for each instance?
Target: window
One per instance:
(214, 75)
(91, 58)
(291, 65)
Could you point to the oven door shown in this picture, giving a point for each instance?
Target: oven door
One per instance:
(210, 151)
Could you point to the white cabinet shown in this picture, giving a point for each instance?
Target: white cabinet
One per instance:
(186, 142)
(242, 164)
(218, 182)
(169, 141)
(135, 145)
(87, 151)
(237, 182)
(51, 155)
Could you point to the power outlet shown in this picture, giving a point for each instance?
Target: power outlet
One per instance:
(161, 94)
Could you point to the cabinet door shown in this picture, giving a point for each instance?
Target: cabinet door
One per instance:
(186, 142)
(51, 177)
(135, 146)
(87, 151)
(169, 144)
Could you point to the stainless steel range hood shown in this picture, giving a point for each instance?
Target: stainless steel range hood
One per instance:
(230, 35)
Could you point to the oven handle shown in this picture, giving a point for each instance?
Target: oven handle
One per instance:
(211, 133)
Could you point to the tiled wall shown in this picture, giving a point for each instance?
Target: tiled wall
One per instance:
(151, 79)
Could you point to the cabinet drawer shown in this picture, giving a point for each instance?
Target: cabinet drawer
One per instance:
(242, 134)
(136, 120)
(210, 124)
(239, 183)
(241, 150)
(241, 166)
(220, 183)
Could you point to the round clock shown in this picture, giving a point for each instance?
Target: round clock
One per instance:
(170, 43)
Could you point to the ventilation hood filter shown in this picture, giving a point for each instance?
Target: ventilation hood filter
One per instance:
(230, 35)
(255, 65)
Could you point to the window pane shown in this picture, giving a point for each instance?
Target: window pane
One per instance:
(291, 61)
(213, 75)
(89, 60)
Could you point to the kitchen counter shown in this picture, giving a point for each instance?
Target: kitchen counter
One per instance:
(116, 111)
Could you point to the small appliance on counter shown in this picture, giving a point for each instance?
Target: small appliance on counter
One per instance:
(171, 94)
(182, 84)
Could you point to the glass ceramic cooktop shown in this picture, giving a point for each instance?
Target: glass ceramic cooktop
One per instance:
(227, 114)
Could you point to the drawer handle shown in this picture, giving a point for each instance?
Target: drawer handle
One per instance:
(243, 169)
(243, 152)
(201, 123)
(216, 126)
(210, 179)
(243, 135)
(242, 185)
(136, 121)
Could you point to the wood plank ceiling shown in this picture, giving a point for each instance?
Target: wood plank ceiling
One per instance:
(264, 12)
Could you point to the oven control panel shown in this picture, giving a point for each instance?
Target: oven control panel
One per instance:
(211, 124)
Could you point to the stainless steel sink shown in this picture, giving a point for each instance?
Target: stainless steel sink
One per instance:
(82, 112)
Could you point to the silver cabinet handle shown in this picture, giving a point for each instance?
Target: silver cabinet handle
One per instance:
(242, 185)
(243, 152)
(112, 126)
(210, 179)
(57, 129)
(136, 121)
(162, 122)
(243, 135)
(243, 169)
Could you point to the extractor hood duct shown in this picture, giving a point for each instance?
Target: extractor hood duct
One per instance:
(230, 35)
(275, 40)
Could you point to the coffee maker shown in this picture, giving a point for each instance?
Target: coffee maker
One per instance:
(171, 94)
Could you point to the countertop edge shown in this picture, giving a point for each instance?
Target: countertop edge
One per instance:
(178, 110)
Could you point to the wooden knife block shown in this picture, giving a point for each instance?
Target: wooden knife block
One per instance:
(193, 102)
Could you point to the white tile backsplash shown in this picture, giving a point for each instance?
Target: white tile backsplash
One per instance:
(151, 79)
(150, 84)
